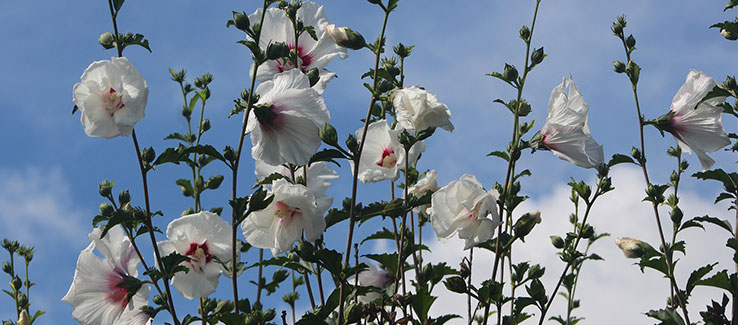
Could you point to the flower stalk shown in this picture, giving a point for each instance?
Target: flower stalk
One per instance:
(357, 159)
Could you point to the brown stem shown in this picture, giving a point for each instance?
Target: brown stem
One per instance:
(357, 159)
(150, 228)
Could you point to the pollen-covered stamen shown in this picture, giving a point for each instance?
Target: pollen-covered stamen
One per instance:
(199, 255)
(112, 100)
(117, 295)
(389, 158)
(303, 60)
(286, 212)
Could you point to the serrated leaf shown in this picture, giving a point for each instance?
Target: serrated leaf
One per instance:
(382, 234)
(715, 221)
(499, 154)
(205, 150)
(619, 159)
(697, 275)
(715, 92)
(718, 280)
(666, 316)
(328, 155)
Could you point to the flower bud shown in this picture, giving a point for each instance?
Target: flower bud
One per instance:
(229, 154)
(241, 21)
(676, 215)
(23, 318)
(524, 33)
(557, 242)
(729, 83)
(455, 284)
(205, 125)
(618, 66)
(7, 268)
(636, 154)
(345, 37)
(630, 42)
(537, 56)
(148, 154)
(16, 283)
(159, 300)
(277, 51)
(632, 248)
(510, 73)
(124, 197)
(107, 40)
(106, 209)
(729, 35)
(105, 188)
(587, 231)
(402, 51)
(328, 135)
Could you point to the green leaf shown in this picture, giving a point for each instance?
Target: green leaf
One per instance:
(75, 109)
(205, 150)
(170, 155)
(718, 175)
(619, 159)
(387, 261)
(186, 187)
(697, 275)
(714, 93)
(666, 316)
(382, 234)
(329, 155)
(421, 303)
(176, 136)
(733, 243)
(715, 221)
(440, 320)
(268, 180)
(718, 280)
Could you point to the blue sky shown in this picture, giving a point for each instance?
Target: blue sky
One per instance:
(51, 169)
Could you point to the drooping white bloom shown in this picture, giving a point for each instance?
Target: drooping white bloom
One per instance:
(698, 128)
(373, 277)
(418, 109)
(111, 97)
(383, 156)
(203, 237)
(95, 294)
(319, 177)
(285, 124)
(292, 211)
(423, 186)
(464, 206)
(277, 28)
(566, 132)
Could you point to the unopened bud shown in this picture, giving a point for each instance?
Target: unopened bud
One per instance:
(557, 242)
(536, 216)
(345, 37)
(455, 284)
(241, 21)
(229, 154)
(7, 268)
(729, 83)
(205, 125)
(23, 318)
(329, 135)
(107, 40)
(106, 209)
(524, 33)
(105, 188)
(148, 154)
(124, 197)
(630, 42)
(618, 66)
(537, 56)
(632, 248)
(729, 35)
(510, 73)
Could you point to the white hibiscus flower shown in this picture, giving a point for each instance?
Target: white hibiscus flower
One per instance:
(383, 156)
(95, 294)
(319, 179)
(292, 211)
(373, 277)
(286, 121)
(111, 97)
(203, 237)
(418, 109)
(698, 128)
(566, 132)
(464, 206)
(277, 27)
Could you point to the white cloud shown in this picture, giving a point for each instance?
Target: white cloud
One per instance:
(36, 208)
(612, 291)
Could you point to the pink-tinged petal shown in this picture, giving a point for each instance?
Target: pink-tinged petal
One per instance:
(698, 127)
(111, 97)
(572, 144)
(198, 284)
